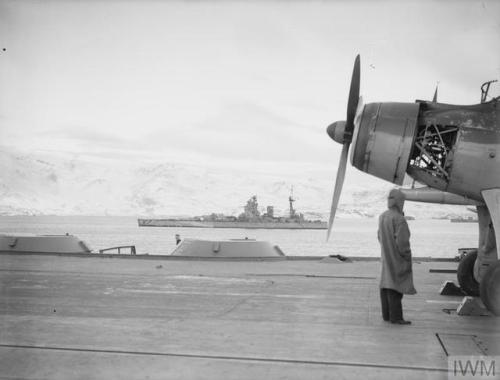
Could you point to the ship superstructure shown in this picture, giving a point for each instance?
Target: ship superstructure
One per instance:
(251, 217)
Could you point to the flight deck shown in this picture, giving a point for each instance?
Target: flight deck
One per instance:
(105, 317)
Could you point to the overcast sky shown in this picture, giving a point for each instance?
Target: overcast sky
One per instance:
(215, 81)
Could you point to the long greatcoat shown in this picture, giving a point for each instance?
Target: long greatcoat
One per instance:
(394, 238)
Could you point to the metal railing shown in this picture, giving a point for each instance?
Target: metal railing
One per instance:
(130, 247)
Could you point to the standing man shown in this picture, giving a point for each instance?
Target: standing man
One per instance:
(397, 275)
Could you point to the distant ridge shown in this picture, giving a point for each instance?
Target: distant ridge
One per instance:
(65, 184)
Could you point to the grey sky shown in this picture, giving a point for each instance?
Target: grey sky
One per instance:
(249, 81)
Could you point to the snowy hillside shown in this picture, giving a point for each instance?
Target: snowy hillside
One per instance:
(65, 184)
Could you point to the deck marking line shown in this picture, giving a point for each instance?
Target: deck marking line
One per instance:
(442, 344)
(180, 292)
(442, 271)
(235, 358)
(309, 276)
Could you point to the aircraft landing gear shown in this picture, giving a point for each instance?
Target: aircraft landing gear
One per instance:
(490, 288)
(465, 275)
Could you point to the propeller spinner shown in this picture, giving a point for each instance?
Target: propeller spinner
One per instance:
(342, 132)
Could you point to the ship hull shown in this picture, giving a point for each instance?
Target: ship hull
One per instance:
(221, 224)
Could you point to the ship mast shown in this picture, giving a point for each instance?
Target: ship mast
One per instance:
(291, 200)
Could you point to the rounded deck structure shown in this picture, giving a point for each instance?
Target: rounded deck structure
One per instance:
(235, 248)
(42, 244)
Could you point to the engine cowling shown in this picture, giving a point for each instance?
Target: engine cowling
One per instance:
(383, 139)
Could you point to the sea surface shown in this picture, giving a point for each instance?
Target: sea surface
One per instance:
(350, 237)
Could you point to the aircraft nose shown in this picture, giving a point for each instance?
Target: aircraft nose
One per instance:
(336, 131)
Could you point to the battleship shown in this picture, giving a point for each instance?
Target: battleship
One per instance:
(251, 218)
(461, 219)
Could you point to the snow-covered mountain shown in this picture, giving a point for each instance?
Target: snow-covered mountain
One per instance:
(37, 183)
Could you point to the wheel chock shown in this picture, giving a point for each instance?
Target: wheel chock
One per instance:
(450, 289)
(472, 306)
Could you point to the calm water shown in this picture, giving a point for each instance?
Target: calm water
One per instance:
(350, 237)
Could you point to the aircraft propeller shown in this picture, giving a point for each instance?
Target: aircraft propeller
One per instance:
(342, 132)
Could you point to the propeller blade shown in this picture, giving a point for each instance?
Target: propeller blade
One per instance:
(359, 112)
(338, 186)
(357, 124)
(352, 103)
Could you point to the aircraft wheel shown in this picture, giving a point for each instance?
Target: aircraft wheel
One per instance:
(465, 275)
(490, 288)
